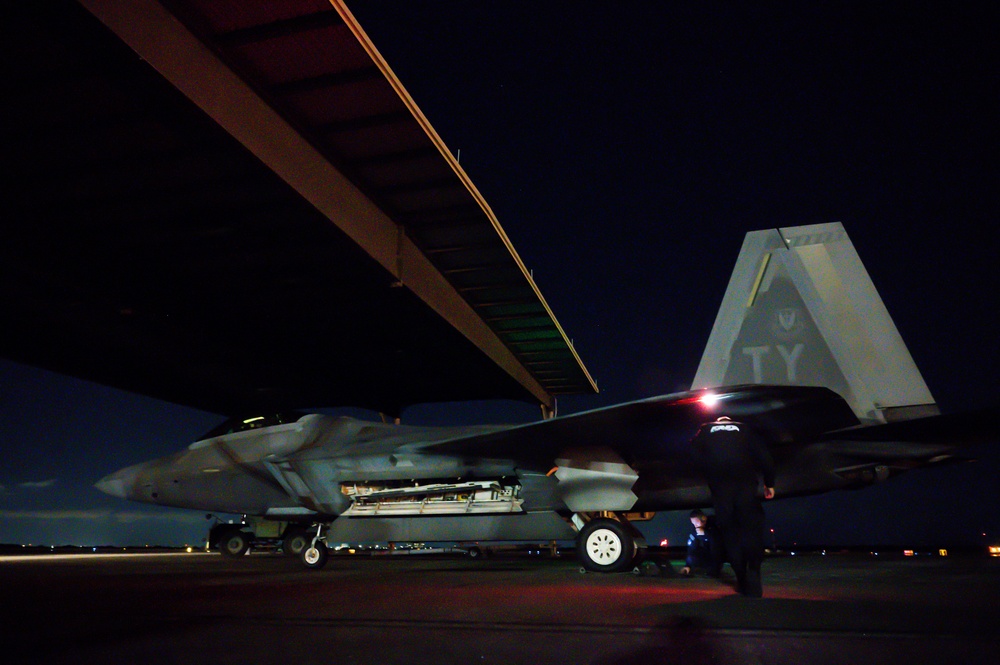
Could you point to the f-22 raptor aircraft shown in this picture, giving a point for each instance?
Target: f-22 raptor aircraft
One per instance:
(802, 349)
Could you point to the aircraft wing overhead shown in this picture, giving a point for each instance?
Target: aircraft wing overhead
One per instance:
(237, 206)
(662, 425)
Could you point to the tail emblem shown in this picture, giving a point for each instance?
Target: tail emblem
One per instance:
(787, 319)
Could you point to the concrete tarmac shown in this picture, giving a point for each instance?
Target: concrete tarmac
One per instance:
(263, 608)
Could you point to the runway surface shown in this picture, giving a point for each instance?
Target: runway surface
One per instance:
(204, 608)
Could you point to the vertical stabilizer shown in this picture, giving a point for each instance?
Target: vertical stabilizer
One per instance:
(801, 309)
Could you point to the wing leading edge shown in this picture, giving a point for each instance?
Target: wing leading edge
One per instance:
(661, 426)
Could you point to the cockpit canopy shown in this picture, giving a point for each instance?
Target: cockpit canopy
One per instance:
(242, 424)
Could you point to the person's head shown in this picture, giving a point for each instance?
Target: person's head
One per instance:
(723, 419)
(698, 519)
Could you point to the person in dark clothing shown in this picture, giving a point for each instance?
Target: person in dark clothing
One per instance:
(703, 547)
(733, 459)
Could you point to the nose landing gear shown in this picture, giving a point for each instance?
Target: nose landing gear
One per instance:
(315, 555)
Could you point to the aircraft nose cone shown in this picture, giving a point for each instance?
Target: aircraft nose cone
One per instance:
(118, 483)
(111, 485)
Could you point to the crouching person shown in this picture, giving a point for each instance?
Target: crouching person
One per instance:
(704, 549)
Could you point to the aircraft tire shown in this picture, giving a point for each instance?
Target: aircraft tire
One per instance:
(235, 543)
(605, 546)
(315, 556)
(295, 541)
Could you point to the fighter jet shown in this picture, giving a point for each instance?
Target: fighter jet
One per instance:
(802, 349)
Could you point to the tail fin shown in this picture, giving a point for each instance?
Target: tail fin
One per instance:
(801, 309)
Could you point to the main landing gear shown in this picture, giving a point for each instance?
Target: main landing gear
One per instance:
(607, 545)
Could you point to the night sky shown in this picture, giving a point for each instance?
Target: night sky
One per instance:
(626, 149)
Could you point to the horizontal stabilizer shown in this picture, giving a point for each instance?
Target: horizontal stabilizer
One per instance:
(957, 429)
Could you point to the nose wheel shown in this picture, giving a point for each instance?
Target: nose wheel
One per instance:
(315, 555)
